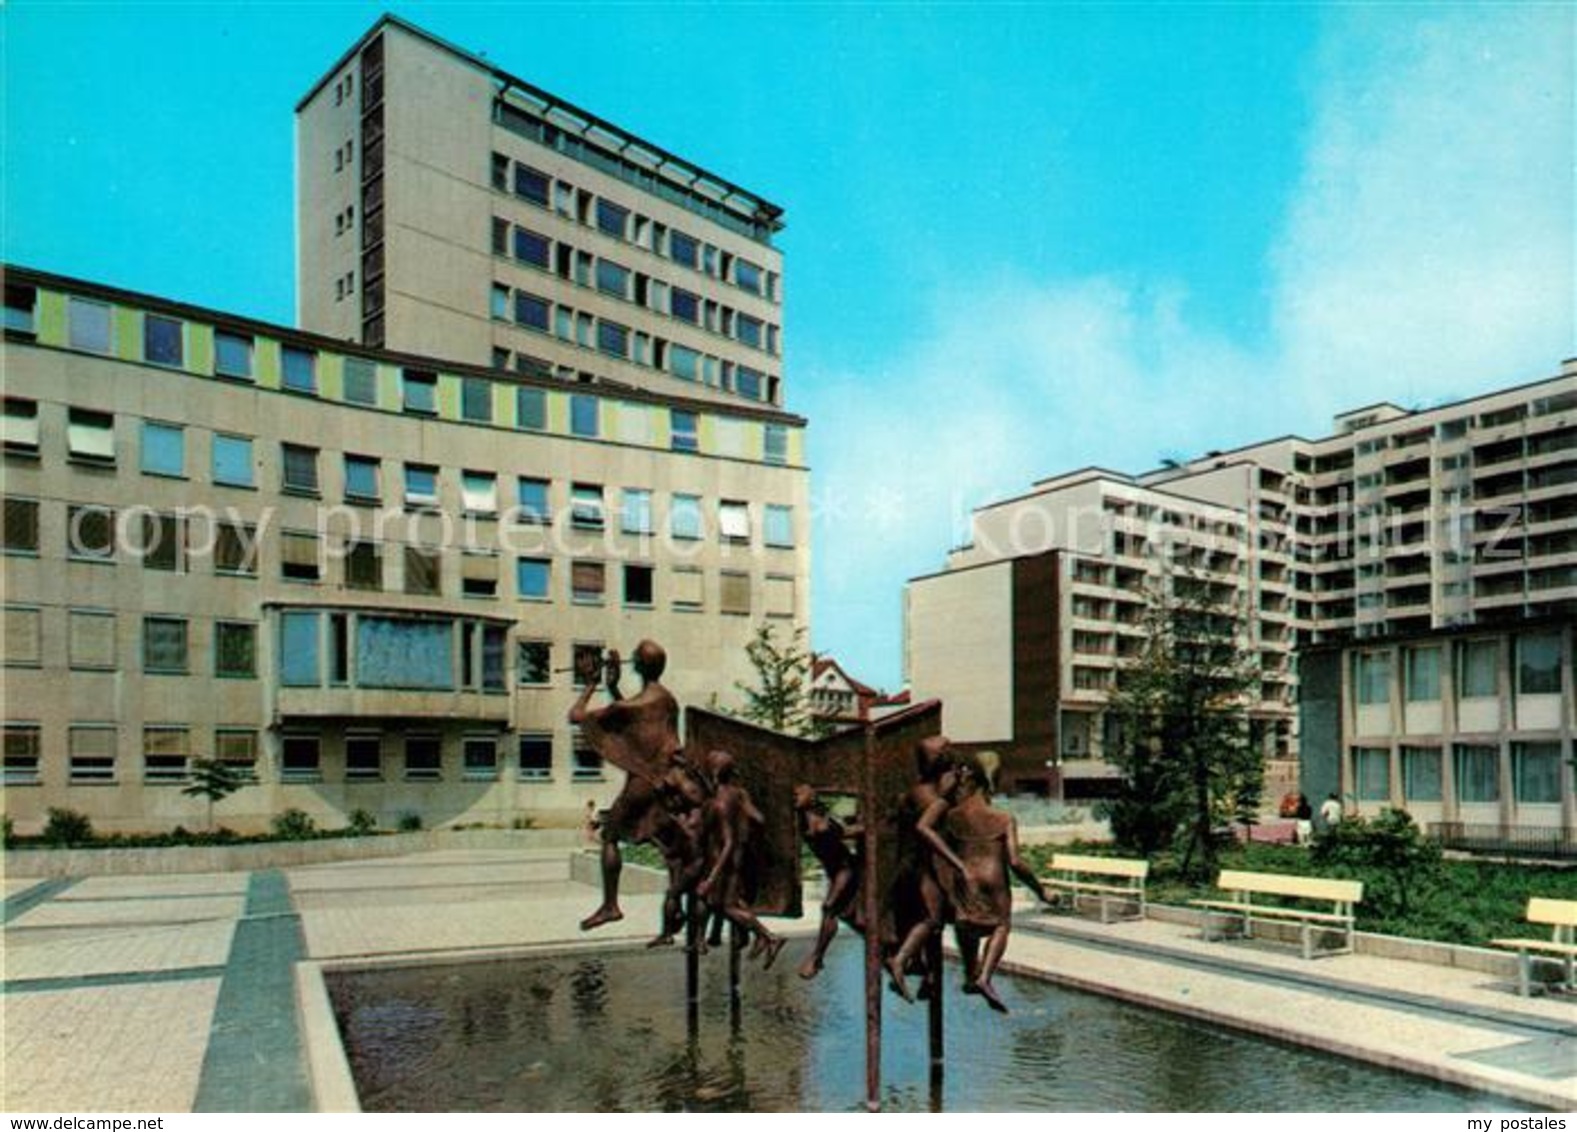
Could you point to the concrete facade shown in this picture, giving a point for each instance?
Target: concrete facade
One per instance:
(361, 576)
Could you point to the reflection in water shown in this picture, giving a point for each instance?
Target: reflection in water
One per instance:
(609, 1033)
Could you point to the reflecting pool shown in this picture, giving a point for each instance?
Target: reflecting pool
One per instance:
(608, 1032)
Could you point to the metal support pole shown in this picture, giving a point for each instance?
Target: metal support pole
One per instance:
(736, 948)
(692, 963)
(869, 812)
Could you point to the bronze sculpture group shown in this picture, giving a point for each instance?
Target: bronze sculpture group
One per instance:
(956, 857)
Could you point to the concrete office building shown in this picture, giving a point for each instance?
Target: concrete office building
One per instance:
(1401, 523)
(360, 575)
(448, 208)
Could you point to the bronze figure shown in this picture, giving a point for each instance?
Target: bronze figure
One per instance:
(827, 838)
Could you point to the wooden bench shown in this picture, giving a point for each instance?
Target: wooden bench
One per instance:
(1561, 915)
(1244, 886)
(1105, 878)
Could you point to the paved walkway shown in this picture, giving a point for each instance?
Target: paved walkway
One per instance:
(176, 993)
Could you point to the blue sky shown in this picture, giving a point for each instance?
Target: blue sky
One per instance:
(1021, 238)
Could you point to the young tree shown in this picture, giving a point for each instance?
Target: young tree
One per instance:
(778, 699)
(1184, 742)
(213, 780)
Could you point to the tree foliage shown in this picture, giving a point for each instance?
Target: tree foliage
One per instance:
(1183, 737)
(213, 780)
(1390, 851)
(777, 699)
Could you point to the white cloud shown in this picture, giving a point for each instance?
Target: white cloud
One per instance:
(1428, 254)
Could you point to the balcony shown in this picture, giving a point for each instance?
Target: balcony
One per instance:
(388, 703)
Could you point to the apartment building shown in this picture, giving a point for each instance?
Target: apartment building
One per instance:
(448, 208)
(1400, 523)
(363, 576)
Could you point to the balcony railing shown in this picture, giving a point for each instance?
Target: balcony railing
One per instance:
(1541, 841)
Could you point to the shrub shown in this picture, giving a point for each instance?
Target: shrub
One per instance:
(67, 827)
(1388, 852)
(362, 823)
(294, 825)
(410, 821)
(10, 832)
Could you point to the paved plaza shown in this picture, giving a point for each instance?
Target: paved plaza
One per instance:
(180, 993)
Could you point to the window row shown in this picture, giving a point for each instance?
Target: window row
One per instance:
(93, 756)
(480, 400)
(613, 278)
(1535, 773)
(615, 220)
(1536, 669)
(616, 340)
(167, 646)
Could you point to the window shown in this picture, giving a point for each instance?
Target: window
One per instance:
(1539, 665)
(1421, 774)
(361, 382)
(500, 172)
(748, 382)
(500, 232)
(164, 645)
(300, 368)
(532, 248)
(1477, 772)
(88, 325)
(531, 408)
(423, 758)
(1423, 675)
(404, 653)
(585, 510)
(532, 501)
(689, 588)
(583, 415)
(684, 517)
(91, 751)
(735, 594)
(748, 330)
(532, 311)
(536, 758)
(232, 460)
(20, 301)
(20, 425)
(531, 185)
(479, 573)
(339, 648)
(420, 390)
(164, 754)
(300, 649)
(683, 362)
(21, 525)
(363, 566)
(612, 219)
(613, 279)
(23, 637)
(90, 532)
(638, 585)
(1372, 677)
(299, 466)
(476, 399)
(747, 276)
(90, 639)
(683, 249)
(1372, 773)
(22, 748)
(636, 513)
(363, 756)
(777, 595)
(163, 449)
(479, 492)
(233, 355)
(684, 305)
(90, 436)
(235, 649)
(533, 577)
(163, 544)
(534, 662)
(1536, 772)
(613, 339)
(479, 758)
(1478, 669)
(587, 764)
(162, 340)
(299, 758)
(421, 485)
(237, 747)
(235, 549)
(498, 304)
(588, 581)
(495, 640)
(733, 520)
(778, 525)
(361, 477)
(682, 426)
(423, 571)
(298, 556)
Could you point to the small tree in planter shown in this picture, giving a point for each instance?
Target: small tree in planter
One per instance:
(213, 780)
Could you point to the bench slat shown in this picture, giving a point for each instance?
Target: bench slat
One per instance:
(1277, 884)
(1547, 910)
(1555, 947)
(1136, 868)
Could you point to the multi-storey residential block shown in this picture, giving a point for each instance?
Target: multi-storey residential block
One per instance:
(448, 208)
(1402, 524)
(363, 576)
